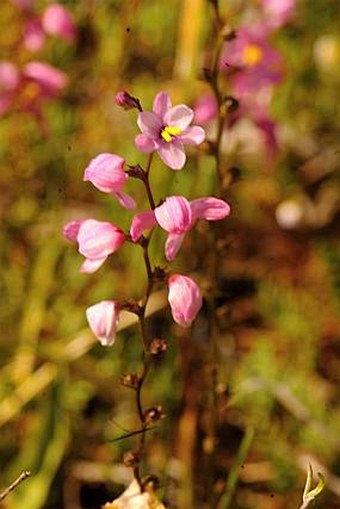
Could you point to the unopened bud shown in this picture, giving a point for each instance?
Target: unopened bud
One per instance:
(158, 346)
(228, 33)
(127, 101)
(131, 458)
(153, 414)
(159, 274)
(129, 380)
(150, 483)
(231, 103)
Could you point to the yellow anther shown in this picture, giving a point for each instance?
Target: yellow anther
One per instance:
(252, 55)
(169, 132)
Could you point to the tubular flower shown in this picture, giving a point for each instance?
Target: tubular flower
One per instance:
(106, 173)
(167, 129)
(103, 319)
(177, 216)
(96, 241)
(185, 299)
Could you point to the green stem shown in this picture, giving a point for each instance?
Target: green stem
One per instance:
(226, 498)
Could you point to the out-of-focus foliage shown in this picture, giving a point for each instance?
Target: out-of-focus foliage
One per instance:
(278, 363)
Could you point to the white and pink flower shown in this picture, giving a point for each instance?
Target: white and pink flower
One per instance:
(166, 130)
(185, 299)
(177, 216)
(103, 319)
(106, 173)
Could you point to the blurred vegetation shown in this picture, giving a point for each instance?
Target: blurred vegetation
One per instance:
(278, 359)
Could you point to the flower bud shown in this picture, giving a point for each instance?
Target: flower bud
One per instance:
(103, 319)
(185, 299)
(127, 101)
(129, 380)
(158, 346)
(153, 414)
(58, 21)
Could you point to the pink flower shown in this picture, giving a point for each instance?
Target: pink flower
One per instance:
(58, 21)
(103, 319)
(96, 241)
(33, 36)
(127, 101)
(106, 173)
(50, 80)
(278, 12)
(177, 216)
(205, 109)
(9, 83)
(167, 129)
(254, 62)
(185, 299)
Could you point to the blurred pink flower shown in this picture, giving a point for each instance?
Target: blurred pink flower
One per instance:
(9, 82)
(278, 12)
(96, 241)
(167, 129)
(185, 299)
(23, 4)
(51, 81)
(106, 173)
(57, 21)
(177, 216)
(103, 319)
(253, 61)
(34, 37)
(205, 109)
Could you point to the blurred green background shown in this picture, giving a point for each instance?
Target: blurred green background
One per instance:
(279, 343)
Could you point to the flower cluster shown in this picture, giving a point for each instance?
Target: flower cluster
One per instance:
(166, 130)
(28, 86)
(253, 67)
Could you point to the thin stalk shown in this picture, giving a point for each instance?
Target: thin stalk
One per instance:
(226, 498)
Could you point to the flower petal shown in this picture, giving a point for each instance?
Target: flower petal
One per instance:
(174, 215)
(179, 116)
(150, 123)
(210, 208)
(103, 319)
(71, 229)
(173, 155)
(145, 144)
(172, 245)
(161, 104)
(184, 298)
(90, 266)
(106, 173)
(98, 239)
(142, 221)
(193, 135)
(126, 201)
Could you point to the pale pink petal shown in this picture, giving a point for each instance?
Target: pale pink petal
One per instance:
(173, 155)
(184, 298)
(172, 245)
(98, 239)
(161, 104)
(91, 266)
(103, 319)
(126, 201)
(106, 173)
(33, 37)
(211, 209)
(193, 135)
(51, 80)
(179, 116)
(142, 221)
(57, 20)
(71, 229)
(149, 123)
(145, 144)
(174, 215)
(9, 76)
